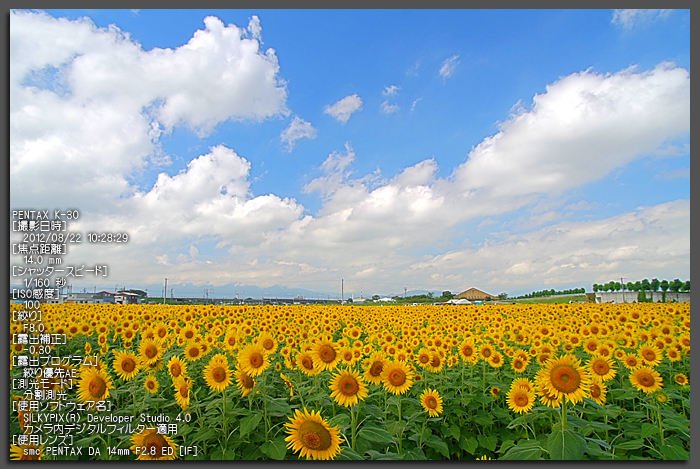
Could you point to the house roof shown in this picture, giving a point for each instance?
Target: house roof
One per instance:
(474, 293)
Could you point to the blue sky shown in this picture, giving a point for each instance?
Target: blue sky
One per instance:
(506, 150)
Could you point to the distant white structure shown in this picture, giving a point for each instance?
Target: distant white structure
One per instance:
(386, 299)
(461, 301)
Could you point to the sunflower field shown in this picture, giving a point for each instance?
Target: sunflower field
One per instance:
(512, 382)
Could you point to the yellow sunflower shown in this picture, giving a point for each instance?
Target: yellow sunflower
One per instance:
(193, 351)
(523, 383)
(125, 365)
(176, 367)
(520, 399)
(601, 368)
(182, 386)
(311, 436)
(436, 363)
(150, 351)
(288, 383)
(681, 379)
(94, 385)
(431, 401)
(244, 381)
(348, 388)
(151, 445)
(217, 373)
(267, 342)
(373, 367)
(26, 452)
(325, 355)
(253, 359)
(651, 356)
(397, 377)
(598, 391)
(306, 364)
(151, 384)
(565, 377)
(646, 379)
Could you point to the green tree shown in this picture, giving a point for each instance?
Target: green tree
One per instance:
(686, 286)
(646, 285)
(503, 296)
(676, 285)
(448, 295)
(655, 285)
(630, 286)
(595, 288)
(664, 285)
(375, 297)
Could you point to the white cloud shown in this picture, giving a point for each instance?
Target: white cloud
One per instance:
(680, 173)
(343, 109)
(387, 108)
(582, 128)
(254, 28)
(297, 129)
(628, 19)
(449, 66)
(413, 106)
(391, 90)
(102, 94)
(650, 239)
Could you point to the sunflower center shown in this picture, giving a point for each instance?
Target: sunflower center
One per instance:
(184, 391)
(424, 359)
(154, 444)
(435, 361)
(349, 386)
(565, 379)
(219, 374)
(194, 352)
(315, 436)
(327, 353)
(376, 368)
(521, 400)
(431, 402)
(268, 344)
(649, 355)
(128, 365)
(175, 370)
(256, 359)
(151, 384)
(467, 351)
(486, 352)
(307, 363)
(247, 381)
(162, 333)
(645, 379)
(150, 351)
(601, 368)
(595, 391)
(348, 356)
(97, 387)
(397, 377)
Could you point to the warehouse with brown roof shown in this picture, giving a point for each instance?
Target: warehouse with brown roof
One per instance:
(475, 294)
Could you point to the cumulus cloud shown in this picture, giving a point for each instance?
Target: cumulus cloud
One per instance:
(297, 129)
(449, 66)
(391, 90)
(254, 28)
(628, 19)
(631, 244)
(387, 108)
(343, 109)
(583, 127)
(103, 95)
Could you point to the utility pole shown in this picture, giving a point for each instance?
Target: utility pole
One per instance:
(342, 291)
(622, 281)
(165, 291)
(404, 293)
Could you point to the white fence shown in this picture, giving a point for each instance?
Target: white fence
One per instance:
(631, 297)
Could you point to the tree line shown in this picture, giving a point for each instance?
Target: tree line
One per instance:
(645, 285)
(552, 292)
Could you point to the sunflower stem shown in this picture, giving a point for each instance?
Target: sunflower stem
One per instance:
(353, 422)
(267, 424)
(661, 425)
(401, 428)
(563, 414)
